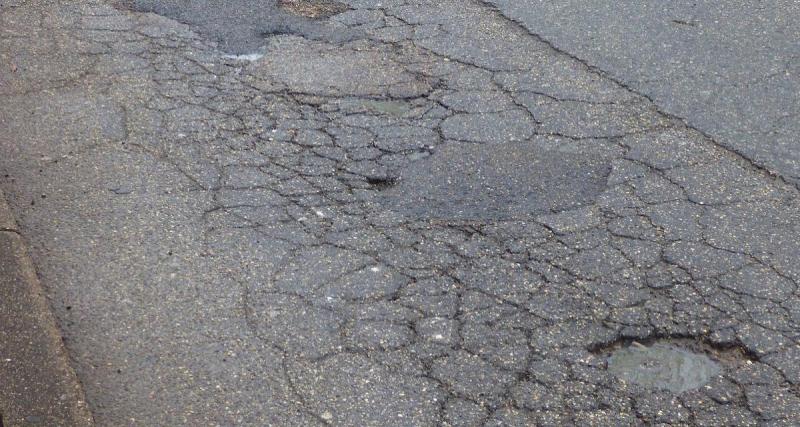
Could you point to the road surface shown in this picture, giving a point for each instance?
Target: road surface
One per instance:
(406, 213)
(731, 69)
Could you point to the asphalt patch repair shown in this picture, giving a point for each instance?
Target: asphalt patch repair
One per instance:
(465, 181)
(242, 26)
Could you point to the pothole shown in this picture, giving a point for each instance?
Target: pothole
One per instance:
(677, 365)
(381, 183)
(314, 9)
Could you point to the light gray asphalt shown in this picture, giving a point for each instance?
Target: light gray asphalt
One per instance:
(443, 221)
(730, 68)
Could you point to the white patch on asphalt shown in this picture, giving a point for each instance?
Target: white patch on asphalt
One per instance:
(246, 57)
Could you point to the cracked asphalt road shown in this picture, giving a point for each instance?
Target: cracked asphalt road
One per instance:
(437, 220)
(731, 69)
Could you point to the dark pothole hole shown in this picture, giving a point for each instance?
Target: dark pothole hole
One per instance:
(677, 364)
(279, 31)
(381, 183)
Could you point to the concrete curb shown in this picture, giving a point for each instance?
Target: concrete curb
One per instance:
(37, 385)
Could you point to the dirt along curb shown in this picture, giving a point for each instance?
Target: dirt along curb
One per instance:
(37, 385)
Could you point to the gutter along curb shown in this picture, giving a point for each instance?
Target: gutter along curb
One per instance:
(37, 383)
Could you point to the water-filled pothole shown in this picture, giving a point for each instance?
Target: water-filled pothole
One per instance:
(677, 365)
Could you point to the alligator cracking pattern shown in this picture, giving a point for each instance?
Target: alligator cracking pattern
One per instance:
(348, 304)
